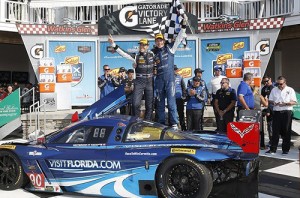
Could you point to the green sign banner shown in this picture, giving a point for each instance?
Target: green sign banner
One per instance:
(10, 108)
(297, 107)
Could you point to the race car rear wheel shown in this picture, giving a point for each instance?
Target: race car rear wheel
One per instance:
(183, 177)
(11, 172)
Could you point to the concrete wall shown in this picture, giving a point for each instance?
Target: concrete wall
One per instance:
(290, 50)
(15, 58)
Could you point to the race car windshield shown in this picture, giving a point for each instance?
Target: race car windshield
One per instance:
(149, 131)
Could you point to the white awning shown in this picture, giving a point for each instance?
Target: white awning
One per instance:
(75, 3)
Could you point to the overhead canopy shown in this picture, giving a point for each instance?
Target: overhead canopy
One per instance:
(75, 3)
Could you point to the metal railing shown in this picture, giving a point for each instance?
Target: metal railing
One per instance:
(35, 110)
(16, 12)
(21, 12)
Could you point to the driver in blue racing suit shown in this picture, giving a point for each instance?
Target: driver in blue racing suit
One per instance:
(165, 80)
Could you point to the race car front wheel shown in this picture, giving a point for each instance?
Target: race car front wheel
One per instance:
(180, 177)
(11, 172)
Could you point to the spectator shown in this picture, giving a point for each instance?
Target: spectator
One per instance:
(2, 92)
(282, 98)
(8, 91)
(129, 87)
(258, 101)
(244, 94)
(198, 73)
(165, 80)
(268, 112)
(16, 86)
(224, 102)
(180, 94)
(117, 81)
(27, 97)
(105, 82)
(196, 97)
(213, 86)
(143, 63)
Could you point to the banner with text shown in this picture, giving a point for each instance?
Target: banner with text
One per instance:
(10, 108)
(81, 55)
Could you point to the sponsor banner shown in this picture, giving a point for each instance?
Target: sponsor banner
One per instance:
(10, 108)
(217, 52)
(240, 25)
(185, 58)
(140, 19)
(65, 29)
(81, 56)
(297, 107)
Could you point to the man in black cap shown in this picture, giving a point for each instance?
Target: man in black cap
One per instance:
(143, 62)
(196, 98)
(198, 73)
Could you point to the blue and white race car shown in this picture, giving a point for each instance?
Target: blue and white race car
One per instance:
(123, 156)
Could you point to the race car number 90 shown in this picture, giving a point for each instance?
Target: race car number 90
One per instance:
(37, 180)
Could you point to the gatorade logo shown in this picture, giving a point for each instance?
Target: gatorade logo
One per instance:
(251, 63)
(46, 70)
(64, 77)
(47, 87)
(233, 72)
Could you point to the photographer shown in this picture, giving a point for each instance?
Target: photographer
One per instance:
(105, 82)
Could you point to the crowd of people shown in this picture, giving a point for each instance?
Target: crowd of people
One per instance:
(26, 96)
(157, 80)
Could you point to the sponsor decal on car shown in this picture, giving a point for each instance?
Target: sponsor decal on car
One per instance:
(35, 153)
(12, 147)
(183, 150)
(140, 153)
(85, 164)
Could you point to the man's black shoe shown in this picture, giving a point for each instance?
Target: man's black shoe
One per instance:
(270, 152)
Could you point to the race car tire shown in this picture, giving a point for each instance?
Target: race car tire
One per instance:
(12, 175)
(180, 177)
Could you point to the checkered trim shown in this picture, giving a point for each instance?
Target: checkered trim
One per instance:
(269, 23)
(45, 29)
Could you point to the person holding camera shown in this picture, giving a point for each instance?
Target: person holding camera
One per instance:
(196, 98)
(105, 82)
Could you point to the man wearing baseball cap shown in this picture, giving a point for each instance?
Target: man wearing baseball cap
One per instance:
(198, 73)
(165, 80)
(143, 63)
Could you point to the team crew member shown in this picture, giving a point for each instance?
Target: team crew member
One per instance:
(143, 63)
(213, 86)
(283, 98)
(224, 102)
(105, 82)
(128, 88)
(180, 93)
(268, 112)
(165, 80)
(244, 94)
(196, 97)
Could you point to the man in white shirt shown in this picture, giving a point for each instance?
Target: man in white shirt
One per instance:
(213, 87)
(283, 98)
